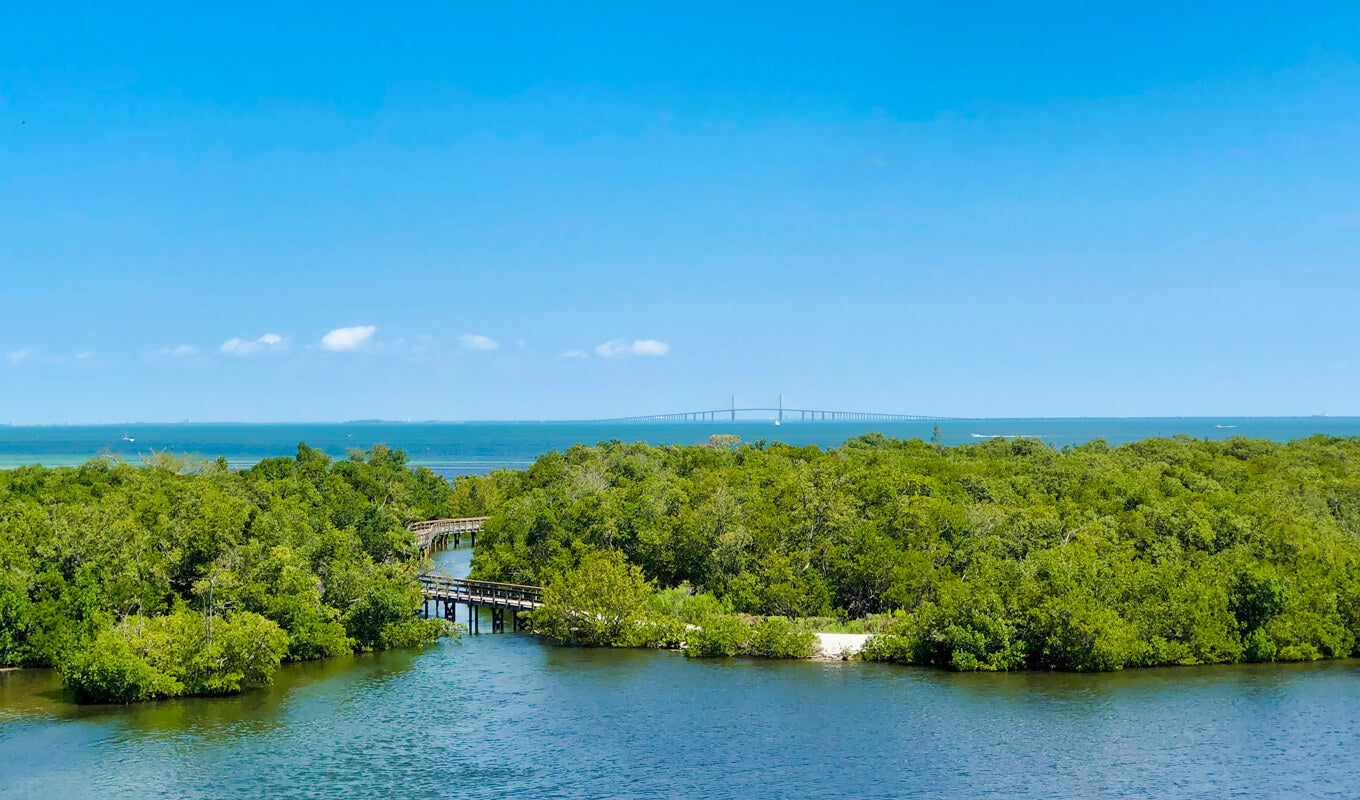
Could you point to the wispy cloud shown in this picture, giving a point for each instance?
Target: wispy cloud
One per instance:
(574, 354)
(343, 340)
(85, 356)
(246, 347)
(476, 341)
(20, 356)
(618, 348)
(650, 347)
(178, 351)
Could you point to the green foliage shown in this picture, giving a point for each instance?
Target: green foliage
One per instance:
(968, 629)
(729, 635)
(1078, 636)
(598, 602)
(183, 652)
(102, 567)
(416, 633)
(681, 603)
(777, 637)
(1255, 598)
(375, 612)
(892, 648)
(719, 636)
(656, 632)
(1004, 554)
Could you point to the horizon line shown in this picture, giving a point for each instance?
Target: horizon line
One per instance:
(659, 419)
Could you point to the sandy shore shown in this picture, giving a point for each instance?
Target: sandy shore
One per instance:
(838, 646)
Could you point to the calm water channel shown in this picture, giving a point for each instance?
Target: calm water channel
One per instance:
(506, 716)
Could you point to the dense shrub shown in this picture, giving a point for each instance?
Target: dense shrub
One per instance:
(777, 637)
(179, 653)
(600, 601)
(416, 632)
(718, 636)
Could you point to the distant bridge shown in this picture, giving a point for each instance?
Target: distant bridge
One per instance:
(778, 413)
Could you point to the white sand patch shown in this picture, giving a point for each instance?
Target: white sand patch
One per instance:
(840, 645)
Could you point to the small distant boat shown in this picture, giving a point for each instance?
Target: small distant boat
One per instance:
(777, 422)
(129, 439)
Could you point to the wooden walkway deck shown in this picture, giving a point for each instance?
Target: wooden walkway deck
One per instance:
(481, 593)
(499, 597)
(439, 532)
(440, 589)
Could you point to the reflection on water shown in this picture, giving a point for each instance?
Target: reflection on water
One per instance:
(496, 716)
(507, 716)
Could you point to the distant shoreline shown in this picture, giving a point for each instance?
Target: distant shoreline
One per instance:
(674, 424)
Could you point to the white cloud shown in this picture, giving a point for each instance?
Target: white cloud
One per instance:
(617, 348)
(18, 356)
(476, 341)
(245, 347)
(650, 347)
(344, 339)
(573, 354)
(85, 356)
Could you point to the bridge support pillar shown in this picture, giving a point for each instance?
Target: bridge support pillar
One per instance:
(498, 620)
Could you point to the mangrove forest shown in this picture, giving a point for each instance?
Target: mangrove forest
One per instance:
(181, 576)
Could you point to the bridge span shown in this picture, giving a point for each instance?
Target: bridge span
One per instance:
(778, 413)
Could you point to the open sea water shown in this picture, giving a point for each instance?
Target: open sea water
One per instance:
(452, 448)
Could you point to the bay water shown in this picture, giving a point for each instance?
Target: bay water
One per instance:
(478, 447)
(505, 715)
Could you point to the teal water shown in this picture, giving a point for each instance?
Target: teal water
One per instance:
(478, 447)
(501, 716)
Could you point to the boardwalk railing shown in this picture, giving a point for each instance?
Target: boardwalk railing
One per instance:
(499, 597)
(437, 532)
(445, 593)
(481, 593)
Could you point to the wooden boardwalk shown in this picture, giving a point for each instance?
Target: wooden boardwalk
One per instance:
(446, 592)
(439, 532)
(481, 593)
(499, 597)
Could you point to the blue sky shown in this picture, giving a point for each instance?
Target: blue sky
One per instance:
(344, 211)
